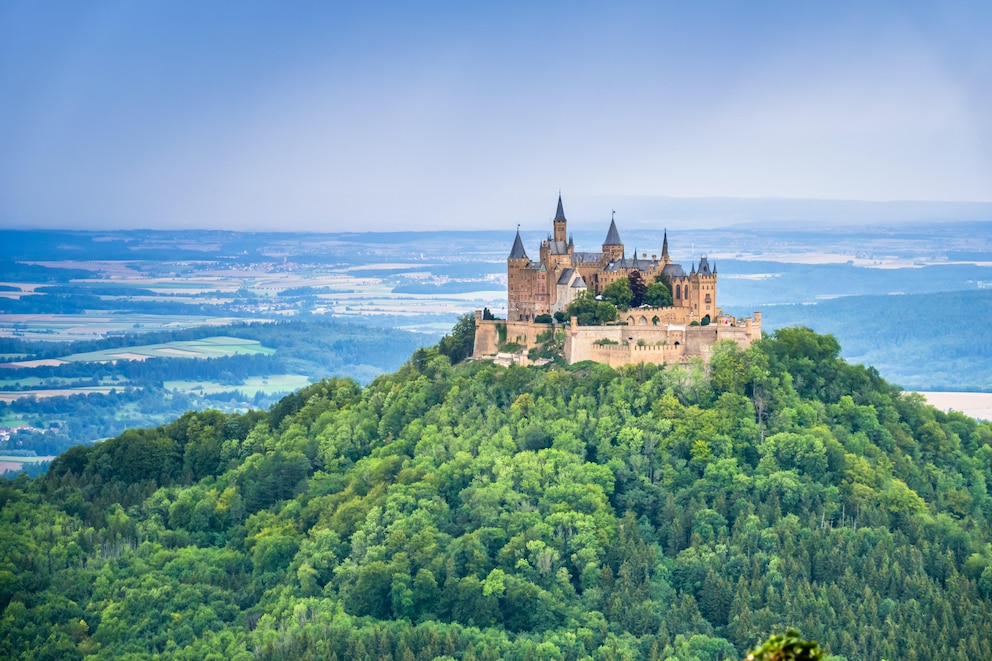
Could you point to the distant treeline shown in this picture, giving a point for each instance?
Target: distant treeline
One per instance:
(936, 341)
(18, 272)
(77, 303)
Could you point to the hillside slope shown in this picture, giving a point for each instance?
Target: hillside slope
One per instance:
(477, 512)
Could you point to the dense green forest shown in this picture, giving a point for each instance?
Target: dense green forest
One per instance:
(479, 512)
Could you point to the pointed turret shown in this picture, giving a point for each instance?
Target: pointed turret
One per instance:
(560, 223)
(664, 249)
(518, 252)
(613, 236)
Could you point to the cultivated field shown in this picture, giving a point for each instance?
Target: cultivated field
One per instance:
(270, 385)
(973, 404)
(210, 347)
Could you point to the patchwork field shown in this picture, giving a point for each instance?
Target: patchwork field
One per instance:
(270, 385)
(45, 393)
(210, 347)
(14, 464)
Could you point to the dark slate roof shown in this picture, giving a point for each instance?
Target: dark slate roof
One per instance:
(586, 257)
(630, 263)
(613, 236)
(579, 283)
(566, 275)
(557, 247)
(518, 252)
(560, 214)
(704, 266)
(673, 271)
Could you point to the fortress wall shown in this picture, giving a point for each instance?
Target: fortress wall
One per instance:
(580, 341)
(617, 355)
(665, 343)
(487, 334)
(666, 315)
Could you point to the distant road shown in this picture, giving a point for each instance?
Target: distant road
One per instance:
(973, 404)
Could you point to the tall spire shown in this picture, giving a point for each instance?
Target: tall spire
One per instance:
(517, 252)
(560, 214)
(613, 236)
(664, 248)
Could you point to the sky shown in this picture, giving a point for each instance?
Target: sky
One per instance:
(341, 116)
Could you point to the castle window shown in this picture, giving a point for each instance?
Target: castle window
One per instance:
(678, 291)
(708, 300)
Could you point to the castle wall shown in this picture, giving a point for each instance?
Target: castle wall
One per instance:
(487, 334)
(665, 343)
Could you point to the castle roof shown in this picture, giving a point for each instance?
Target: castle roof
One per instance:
(630, 263)
(518, 252)
(673, 271)
(579, 283)
(587, 257)
(566, 276)
(560, 215)
(704, 266)
(557, 247)
(613, 236)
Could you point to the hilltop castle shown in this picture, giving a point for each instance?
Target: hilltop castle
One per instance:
(673, 334)
(551, 283)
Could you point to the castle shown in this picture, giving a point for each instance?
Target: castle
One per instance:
(538, 289)
(551, 283)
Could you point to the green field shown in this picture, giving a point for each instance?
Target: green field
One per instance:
(57, 382)
(270, 385)
(24, 460)
(208, 347)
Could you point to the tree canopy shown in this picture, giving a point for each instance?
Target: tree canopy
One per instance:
(480, 512)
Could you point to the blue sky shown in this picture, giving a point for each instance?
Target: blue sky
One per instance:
(377, 115)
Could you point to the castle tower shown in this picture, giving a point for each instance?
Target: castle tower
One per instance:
(518, 287)
(703, 290)
(612, 246)
(665, 259)
(560, 222)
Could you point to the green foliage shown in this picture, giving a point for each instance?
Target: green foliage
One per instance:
(458, 344)
(658, 295)
(472, 511)
(619, 293)
(589, 311)
(543, 319)
(790, 647)
(638, 289)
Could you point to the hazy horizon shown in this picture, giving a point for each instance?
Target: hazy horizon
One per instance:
(386, 116)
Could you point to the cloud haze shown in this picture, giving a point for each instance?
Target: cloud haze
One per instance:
(337, 116)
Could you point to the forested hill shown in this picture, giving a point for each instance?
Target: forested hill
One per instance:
(477, 512)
